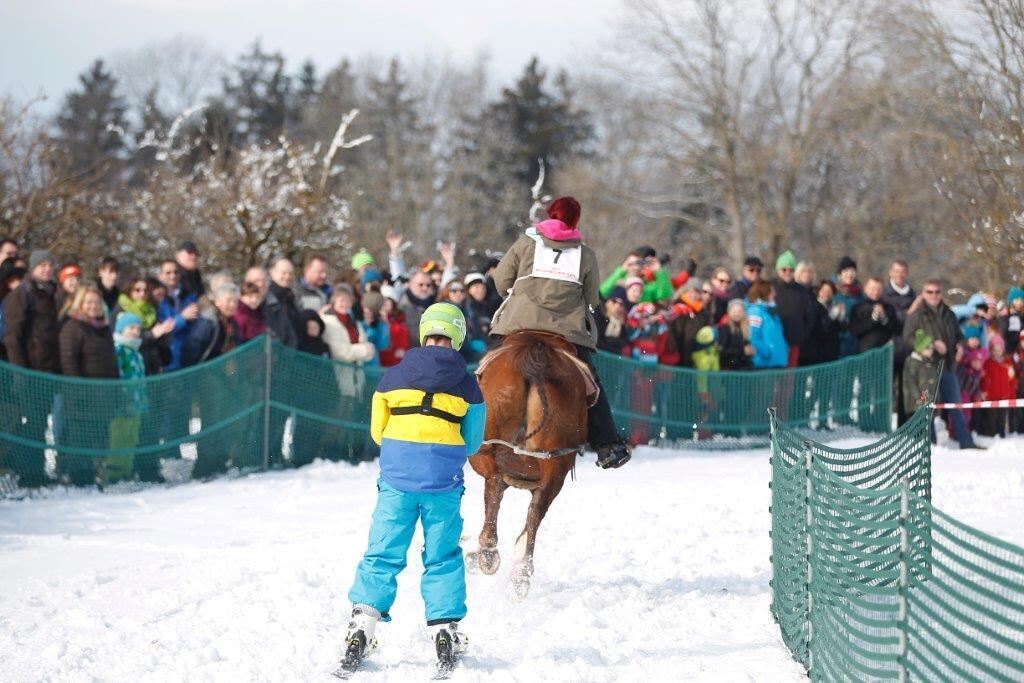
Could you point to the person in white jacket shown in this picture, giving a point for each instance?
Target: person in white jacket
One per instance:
(343, 334)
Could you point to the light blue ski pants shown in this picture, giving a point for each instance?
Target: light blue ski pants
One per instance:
(444, 573)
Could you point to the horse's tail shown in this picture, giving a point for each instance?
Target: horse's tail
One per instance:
(534, 363)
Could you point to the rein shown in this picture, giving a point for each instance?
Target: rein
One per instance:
(543, 455)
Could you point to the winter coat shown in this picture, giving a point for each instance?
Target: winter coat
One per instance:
(731, 343)
(685, 329)
(209, 336)
(871, 333)
(110, 296)
(87, 350)
(901, 303)
(766, 336)
(31, 331)
(999, 379)
(795, 306)
(251, 322)
(171, 308)
(940, 324)
(611, 339)
(398, 334)
(426, 448)
(191, 282)
(849, 296)
(311, 298)
(656, 290)
(378, 334)
(412, 308)
(309, 344)
(478, 326)
(920, 376)
(282, 316)
(1012, 327)
(342, 348)
(548, 296)
(822, 346)
(155, 352)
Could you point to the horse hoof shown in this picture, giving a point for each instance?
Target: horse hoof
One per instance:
(518, 587)
(487, 561)
(519, 581)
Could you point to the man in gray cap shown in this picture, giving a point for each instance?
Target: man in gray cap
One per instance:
(30, 335)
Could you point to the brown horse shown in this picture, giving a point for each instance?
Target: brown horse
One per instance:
(536, 404)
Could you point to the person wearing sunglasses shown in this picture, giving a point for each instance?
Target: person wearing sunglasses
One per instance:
(937, 321)
(751, 273)
(794, 304)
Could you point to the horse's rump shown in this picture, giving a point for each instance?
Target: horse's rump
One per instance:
(551, 389)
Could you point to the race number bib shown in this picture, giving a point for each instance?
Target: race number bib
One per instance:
(557, 264)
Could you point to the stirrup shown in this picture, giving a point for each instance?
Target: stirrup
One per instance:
(613, 455)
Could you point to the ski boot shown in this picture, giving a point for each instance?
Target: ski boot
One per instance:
(614, 454)
(450, 643)
(360, 639)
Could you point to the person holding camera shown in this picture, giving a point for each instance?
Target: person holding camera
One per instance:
(644, 264)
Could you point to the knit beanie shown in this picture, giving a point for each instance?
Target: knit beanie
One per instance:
(844, 263)
(786, 260)
(126, 320)
(362, 258)
(38, 256)
(922, 341)
(70, 270)
(997, 340)
(370, 275)
(565, 209)
(1015, 293)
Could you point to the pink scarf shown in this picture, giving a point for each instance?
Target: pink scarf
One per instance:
(558, 231)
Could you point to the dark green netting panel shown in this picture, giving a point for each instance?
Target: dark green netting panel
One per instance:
(319, 408)
(726, 410)
(194, 423)
(870, 582)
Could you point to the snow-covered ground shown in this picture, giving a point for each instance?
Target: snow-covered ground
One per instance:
(657, 571)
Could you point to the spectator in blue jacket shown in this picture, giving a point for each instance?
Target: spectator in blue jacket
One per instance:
(771, 350)
(182, 308)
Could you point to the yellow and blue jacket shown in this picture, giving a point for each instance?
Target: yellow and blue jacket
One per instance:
(428, 416)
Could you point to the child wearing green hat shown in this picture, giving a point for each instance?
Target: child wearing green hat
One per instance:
(920, 374)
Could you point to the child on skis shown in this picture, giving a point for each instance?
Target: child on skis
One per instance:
(427, 416)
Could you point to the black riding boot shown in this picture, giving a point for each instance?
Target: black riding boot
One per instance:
(602, 435)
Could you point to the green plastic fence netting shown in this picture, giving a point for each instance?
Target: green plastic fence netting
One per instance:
(264, 405)
(870, 582)
(726, 410)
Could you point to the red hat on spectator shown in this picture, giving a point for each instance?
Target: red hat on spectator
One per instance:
(70, 270)
(565, 209)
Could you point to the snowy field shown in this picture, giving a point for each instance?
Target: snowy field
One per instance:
(657, 571)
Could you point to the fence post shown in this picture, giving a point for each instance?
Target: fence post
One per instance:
(267, 348)
(901, 599)
(808, 505)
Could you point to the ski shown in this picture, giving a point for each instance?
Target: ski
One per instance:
(447, 655)
(355, 653)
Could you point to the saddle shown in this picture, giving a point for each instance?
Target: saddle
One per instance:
(588, 378)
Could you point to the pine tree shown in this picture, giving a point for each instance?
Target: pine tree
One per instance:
(544, 123)
(307, 92)
(335, 97)
(154, 123)
(256, 93)
(91, 126)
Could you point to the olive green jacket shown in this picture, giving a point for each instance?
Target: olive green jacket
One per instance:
(541, 303)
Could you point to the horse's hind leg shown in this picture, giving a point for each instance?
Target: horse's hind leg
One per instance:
(539, 504)
(487, 558)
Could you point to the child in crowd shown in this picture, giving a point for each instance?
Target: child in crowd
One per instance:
(998, 382)
(920, 374)
(124, 429)
(734, 338)
(311, 334)
(969, 373)
(427, 416)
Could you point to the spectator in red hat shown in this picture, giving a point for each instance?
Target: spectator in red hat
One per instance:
(68, 277)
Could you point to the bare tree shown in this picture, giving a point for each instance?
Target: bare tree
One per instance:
(182, 71)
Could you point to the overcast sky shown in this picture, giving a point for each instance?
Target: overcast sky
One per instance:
(45, 44)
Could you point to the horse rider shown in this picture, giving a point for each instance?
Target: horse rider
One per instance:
(551, 279)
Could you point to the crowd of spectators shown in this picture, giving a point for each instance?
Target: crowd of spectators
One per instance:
(55, 318)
